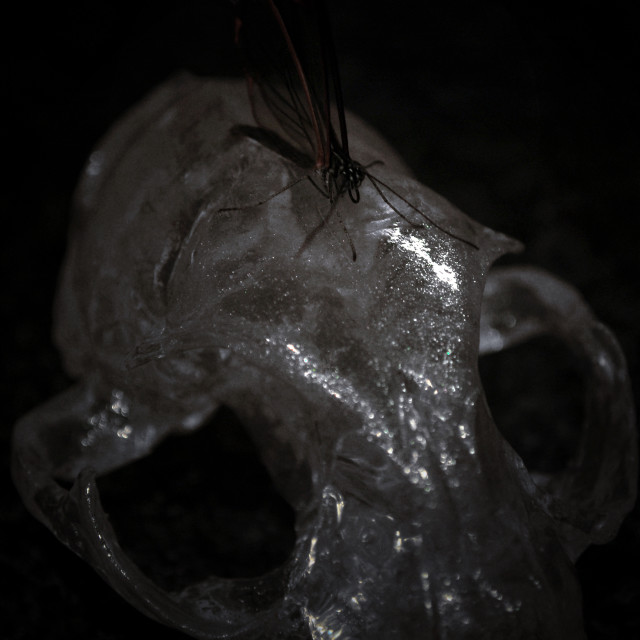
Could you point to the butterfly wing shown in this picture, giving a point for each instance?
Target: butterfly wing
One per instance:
(289, 63)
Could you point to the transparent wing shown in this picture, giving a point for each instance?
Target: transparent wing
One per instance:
(286, 50)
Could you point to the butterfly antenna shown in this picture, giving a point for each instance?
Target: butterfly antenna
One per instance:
(376, 182)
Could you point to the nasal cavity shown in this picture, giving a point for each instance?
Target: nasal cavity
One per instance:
(201, 505)
(536, 394)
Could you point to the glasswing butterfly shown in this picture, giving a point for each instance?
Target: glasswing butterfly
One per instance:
(296, 100)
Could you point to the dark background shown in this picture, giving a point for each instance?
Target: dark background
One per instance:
(526, 119)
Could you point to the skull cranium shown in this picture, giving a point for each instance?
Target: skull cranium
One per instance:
(196, 279)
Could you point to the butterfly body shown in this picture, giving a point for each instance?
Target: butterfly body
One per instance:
(343, 175)
(296, 99)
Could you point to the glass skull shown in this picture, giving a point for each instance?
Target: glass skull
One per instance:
(202, 272)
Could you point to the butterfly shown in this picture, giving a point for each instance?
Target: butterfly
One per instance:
(296, 99)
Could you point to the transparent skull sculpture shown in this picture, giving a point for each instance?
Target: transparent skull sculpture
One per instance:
(195, 278)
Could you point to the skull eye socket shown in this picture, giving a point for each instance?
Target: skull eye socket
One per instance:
(536, 393)
(201, 505)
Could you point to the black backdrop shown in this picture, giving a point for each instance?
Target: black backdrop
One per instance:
(526, 119)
